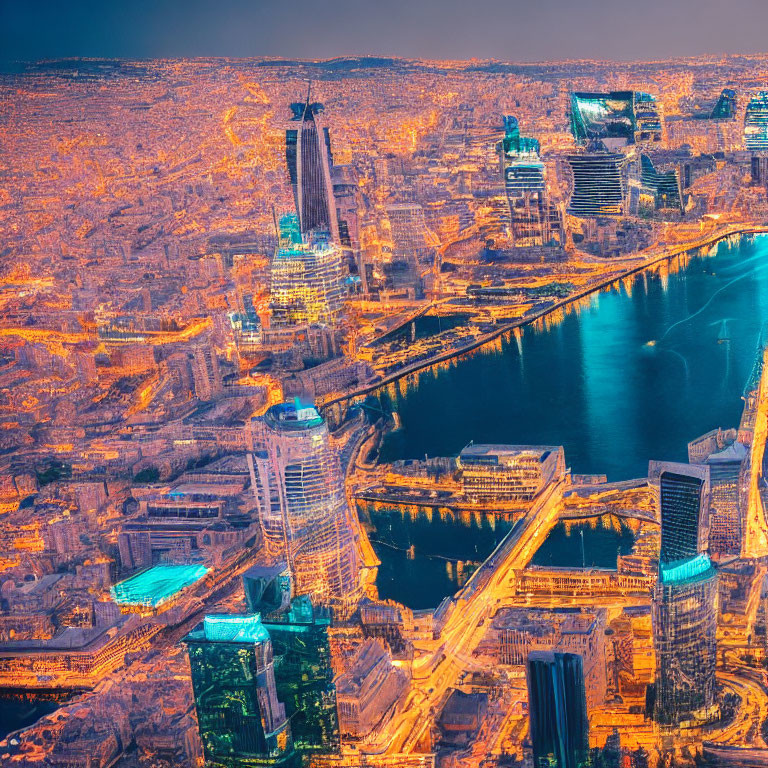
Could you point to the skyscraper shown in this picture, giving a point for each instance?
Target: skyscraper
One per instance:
(534, 220)
(684, 504)
(663, 185)
(756, 123)
(306, 278)
(725, 109)
(684, 605)
(303, 508)
(616, 118)
(684, 631)
(557, 709)
(241, 720)
(309, 160)
(302, 652)
(598, 184)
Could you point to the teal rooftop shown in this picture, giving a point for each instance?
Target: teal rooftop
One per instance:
(234, 628)
(687, 569)
(157, 585)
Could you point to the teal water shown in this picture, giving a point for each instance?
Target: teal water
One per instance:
(634, 374)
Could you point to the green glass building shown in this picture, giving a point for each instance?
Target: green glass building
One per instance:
(304, 676)
(241, 720)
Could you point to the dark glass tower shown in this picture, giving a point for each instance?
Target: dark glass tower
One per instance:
(309, 160)
(557, 708)
(681, 497)
(241, 721)
(725, 109)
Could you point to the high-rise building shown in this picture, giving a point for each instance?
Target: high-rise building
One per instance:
(306, 278)
(756, 123)
(684, 631)
(599, 186)
(240, 718)
(303, 508)
(302, 652)
(684, 506)
(557, 708)
(304, 674)
(664, 186)
(534, 220)
(684, 605)
(616, 118)
(309, 160)
(725, 109)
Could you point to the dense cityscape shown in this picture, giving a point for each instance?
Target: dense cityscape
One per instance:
(276, 338)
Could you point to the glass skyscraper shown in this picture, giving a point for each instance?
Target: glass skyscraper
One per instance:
(303, 508)
(534, 220)
(309, 160)
(725, 109)
(756, 123)
(681, 498)
(306, 278)
(685, 601)
(240, 718)
(598, 184)
(557, 709)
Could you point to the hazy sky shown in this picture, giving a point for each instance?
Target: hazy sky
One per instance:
(460, 29)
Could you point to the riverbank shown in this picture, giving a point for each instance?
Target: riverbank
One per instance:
(668, 255)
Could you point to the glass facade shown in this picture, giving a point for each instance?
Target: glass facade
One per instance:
(304, 675)
(307, 278)
(598, 184)
(681, 500)
(240, 718)
(663, 185)
(158, 585)
(308, 157)
(557, 708)
(534, 220)
(303, 508)
(756, 123)
(622, 117)
(725, 109)
(684, 631)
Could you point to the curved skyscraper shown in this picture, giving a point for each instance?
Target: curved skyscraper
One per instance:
(756, 123)
(303, 508)
(308, 155)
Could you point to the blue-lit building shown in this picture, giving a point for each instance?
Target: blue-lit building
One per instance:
(241, 721)
(685, 601)
(616, 118)
(756, 123)
(557, 709)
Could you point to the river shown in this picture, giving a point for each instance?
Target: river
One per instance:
(631, 373)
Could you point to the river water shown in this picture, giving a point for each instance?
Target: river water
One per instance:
(630, 374)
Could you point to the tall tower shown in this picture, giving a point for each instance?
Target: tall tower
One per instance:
(309, 160)
(303, 508)
(535, 221)
(685, 601)
(240, 719)
(306, 278)
(557, 708)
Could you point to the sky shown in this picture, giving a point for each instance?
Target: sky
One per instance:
(510, 30)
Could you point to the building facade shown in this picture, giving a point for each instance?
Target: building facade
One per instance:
(303, 508)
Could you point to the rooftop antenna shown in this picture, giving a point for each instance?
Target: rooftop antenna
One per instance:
(274, 221)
